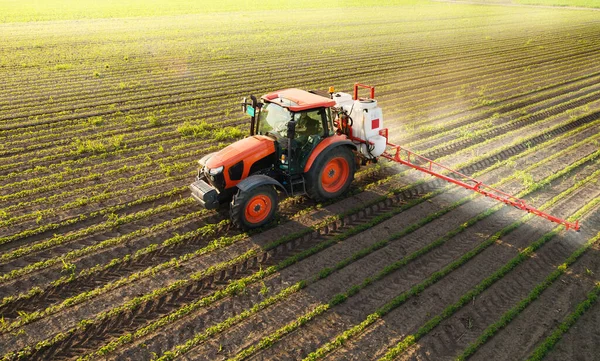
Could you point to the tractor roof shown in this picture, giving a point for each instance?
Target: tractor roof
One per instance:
(297, 100)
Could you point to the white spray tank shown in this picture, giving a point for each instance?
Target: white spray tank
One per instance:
(367, 121)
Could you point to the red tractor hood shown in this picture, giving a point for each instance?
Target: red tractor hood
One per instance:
(250, 150)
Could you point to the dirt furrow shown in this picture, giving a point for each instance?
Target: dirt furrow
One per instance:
(581, 341)
(455, 333)
(160, 255)
(541, 317)
(417, 193)
(346, 246)
(355, 309)
(407, 318)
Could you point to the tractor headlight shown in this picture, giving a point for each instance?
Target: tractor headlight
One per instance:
(215, 171)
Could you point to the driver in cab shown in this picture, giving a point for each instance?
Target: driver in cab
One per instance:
(307, 127)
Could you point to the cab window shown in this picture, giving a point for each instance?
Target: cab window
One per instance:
(273, 119)
(309, 122)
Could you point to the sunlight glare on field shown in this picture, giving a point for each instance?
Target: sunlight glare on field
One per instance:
(177, 181)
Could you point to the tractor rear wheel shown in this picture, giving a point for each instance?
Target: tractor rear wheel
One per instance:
(254, 208)
(331, 175)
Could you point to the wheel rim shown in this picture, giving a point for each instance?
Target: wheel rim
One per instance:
(258, 208)
(335, 174)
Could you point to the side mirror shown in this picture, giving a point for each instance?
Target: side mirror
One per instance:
(244, 104)
(291, 129)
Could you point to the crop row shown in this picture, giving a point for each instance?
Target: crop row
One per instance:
(103, 212)
(509, 315)
(100, 192)
(543, 116)
(219, 94)
(60, 180)
(542, 350)
(314, 57)
(523, 255)
(430, 127)
(550, 95)
(266, 341)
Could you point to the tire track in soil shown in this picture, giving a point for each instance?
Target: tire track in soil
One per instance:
(581, 341)
(589, 82)
(99, 215)
(407, 318)
(517, 339)
(60, 215)
(160, 255)
(455, 333)
(186, 329)
(161, 102)
(463, 143)
(44, 276)
(414, 193)
(355, 309)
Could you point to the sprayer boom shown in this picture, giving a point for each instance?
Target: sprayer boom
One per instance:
(404, 156)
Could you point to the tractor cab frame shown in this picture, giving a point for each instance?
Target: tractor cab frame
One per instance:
(296, 129)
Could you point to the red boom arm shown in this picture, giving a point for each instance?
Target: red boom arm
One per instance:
(404, 156)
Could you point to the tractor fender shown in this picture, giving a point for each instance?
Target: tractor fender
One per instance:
(257, 180)
(325, 146)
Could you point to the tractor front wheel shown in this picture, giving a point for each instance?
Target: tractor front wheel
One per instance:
(253, 208)
(331, 175)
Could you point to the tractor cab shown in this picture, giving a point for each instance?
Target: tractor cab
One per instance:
(298, 121)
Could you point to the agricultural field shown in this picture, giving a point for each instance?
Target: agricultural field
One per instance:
(104, 255)
(590, 4)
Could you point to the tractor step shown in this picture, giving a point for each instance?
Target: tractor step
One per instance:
(297, 185)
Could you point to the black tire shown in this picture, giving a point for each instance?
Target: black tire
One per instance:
(246, 216)
(315, 188)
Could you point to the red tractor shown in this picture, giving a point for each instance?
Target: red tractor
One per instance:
(310, 143)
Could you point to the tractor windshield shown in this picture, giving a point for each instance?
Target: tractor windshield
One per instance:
(273, 118)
